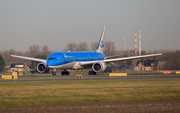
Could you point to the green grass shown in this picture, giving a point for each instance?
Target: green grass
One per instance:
(60, 92)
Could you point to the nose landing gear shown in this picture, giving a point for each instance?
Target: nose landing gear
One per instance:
(53, 73)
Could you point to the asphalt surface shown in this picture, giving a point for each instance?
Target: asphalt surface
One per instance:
(37, 78)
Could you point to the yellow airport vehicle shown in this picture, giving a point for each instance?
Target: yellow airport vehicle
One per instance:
(9, 76)
(20, 73)
(177, 72)
(117, 74)
(14, 77)
(79, 76)
(6, 76)
(15, 73)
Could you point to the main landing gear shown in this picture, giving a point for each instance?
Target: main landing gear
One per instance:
(53, 73)
(92, 73)
(64, 72)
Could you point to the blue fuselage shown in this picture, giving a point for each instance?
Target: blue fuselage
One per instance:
(59, 58)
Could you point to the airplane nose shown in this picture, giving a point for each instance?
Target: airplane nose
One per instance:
(50, 63)
(53, 62)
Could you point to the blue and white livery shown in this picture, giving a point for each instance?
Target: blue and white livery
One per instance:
(94, 60)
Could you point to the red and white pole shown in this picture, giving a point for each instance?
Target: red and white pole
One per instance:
(139, 42)
(135, 43)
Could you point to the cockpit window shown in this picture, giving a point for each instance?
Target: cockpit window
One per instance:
(52, 59)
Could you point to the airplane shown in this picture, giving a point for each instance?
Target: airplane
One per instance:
(94, 60)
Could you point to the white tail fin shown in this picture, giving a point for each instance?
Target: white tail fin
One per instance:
(101, 42)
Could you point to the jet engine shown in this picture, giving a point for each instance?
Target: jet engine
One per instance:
(42, 68)
(99, 67)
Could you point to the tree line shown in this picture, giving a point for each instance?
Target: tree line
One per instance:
(109, 49)
(172, 60)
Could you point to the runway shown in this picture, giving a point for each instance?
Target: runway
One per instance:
(38, 78)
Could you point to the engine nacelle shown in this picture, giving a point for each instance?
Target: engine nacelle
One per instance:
(42, 68)
(99, 67)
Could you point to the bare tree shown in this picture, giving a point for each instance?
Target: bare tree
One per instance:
(143, 52)
(94, 46)
(8, 58)
(109, 48)
(118, 52)
(172, 61)
(71, 47)
(45, 50)
(82, 46)
(34, 50)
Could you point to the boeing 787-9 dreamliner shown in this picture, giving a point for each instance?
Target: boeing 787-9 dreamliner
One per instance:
(94, 60)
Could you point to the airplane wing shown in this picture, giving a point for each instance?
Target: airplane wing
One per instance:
(29, 58)
(129, 58)
(120, 59)
(116, 56)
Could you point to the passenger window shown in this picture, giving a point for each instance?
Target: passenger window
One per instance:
(51, 58)
(54, 58)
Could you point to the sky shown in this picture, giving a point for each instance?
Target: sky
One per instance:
(58, 22)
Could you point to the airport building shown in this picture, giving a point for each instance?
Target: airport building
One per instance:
(18, 67)
(146, 65)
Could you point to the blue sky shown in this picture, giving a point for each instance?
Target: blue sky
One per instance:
(58, 22)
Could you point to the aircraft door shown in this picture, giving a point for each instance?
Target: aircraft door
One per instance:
(61, 59)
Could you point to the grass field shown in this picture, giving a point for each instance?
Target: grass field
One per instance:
(59, 92)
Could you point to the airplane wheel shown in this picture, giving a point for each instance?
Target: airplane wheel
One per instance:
(94, 73)
(90, 72)
(53, 73)
(67, 72)
(62, 73)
